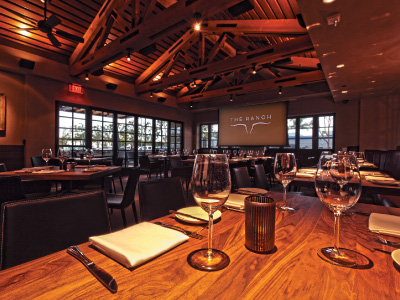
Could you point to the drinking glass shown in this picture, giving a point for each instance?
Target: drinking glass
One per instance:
(62, 156)
(285, 169)
(234, 153)
(211, 185)
(46, 155)
(338, 186)
(89, 155)
(257, 153)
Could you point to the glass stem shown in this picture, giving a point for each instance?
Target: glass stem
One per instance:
(284, 196)
(336, 230)
(210, 230)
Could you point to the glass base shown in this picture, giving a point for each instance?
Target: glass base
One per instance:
(343, 259)
(201, 261)
(285, 208)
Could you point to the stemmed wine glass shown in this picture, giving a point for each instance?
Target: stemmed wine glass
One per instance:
(89, 155)
(46, 155)
(211, 185)
(338, 186)
(62, 156)
(285, 169)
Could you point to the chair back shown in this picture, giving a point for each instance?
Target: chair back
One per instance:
(11, 189)
(37, 161)
(144, 161)
(156, 198)
(176, 162)
(118, 161)
(3, 167)
(35, 228)
(260, 178)
(130, 189)
(242, 177)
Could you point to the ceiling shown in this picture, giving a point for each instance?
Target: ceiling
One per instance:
(209, 66)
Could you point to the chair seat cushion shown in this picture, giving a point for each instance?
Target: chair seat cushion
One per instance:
(114, 200)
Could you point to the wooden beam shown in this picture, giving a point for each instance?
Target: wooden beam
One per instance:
(170, 65)
(186, 39)
(293, 80)
(149, 8)
(304, 63)
(98, 43)
(117, 15)
(135, 5)
(174, 19)
(270, 27)
(214, 50)
(201, 49)
(243, 61)
(226, 79)
(228, 49)
(98, 22)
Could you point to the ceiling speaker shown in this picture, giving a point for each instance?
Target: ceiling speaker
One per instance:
(240, 8)
(111, 86)
(161, 99)
(27, 64)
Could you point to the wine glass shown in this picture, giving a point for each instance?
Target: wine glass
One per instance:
(257, 153)
(285, 169)
(62, 156)
(234, 153)
(46, 155)
(338, 193)
(89, 155)
(211, 185)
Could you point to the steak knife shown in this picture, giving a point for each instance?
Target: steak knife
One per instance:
(106, 279)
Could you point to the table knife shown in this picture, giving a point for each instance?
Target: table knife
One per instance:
(186, 215)
(106, 279)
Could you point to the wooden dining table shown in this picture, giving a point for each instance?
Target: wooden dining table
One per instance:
(292, 270)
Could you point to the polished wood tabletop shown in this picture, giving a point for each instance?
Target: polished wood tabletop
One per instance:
(292, 271)
(77, 174)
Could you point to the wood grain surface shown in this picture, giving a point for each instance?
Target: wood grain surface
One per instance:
(293, 271)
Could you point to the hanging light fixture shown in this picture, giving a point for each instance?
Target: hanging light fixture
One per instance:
(151, 94)
(194, 83)
(197, 18)
(254, 70)
(280, 90)
(191, 104)
(231, 98)
(87, 76)
(128, 56)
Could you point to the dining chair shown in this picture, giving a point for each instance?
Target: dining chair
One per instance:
(118, 161)
(242, 177)
(176, 162)
(260, 177)
(37, 161)
(269, 170)
(148, 167)
(128, 199)
(34, 228)
(3, 167)
(11, 189)
(156, 198)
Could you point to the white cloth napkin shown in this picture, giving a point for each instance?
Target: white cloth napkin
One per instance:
(236, 201)
(306, 175)
(379, 178)
(385, 224)
(137, 244)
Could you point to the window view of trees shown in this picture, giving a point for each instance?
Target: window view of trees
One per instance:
(71, 128)
(176, 136)
(306, 133)
(102, 133)
(161, 135)
(209, 136)
(325, 132)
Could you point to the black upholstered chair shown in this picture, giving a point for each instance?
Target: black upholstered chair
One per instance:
(176, 162)
(260, 178)
(37, 161)
(156, 198)
(35, 228)
(118, 161)
(3, 167)
(128, 199)
(148, 167)
(11, 189)
(242, 177)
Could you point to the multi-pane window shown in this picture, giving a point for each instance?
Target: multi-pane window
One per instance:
(161, 135)
(325, 132)
(306, 133)
(102, 133)
(291, 127)
(176, 137)
(209, 135)
(71, 128)
(145, 135)
(126, 137)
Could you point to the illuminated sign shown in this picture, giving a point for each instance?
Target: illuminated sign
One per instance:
(75, 88)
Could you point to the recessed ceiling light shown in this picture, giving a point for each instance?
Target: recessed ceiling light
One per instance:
(340, 66)
(372, 81)
(197, 26)
(344, 92)
(328, 1)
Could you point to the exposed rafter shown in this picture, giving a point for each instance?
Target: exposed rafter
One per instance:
(299, 79)
(271, 27)
(175, 18)
(264, 55)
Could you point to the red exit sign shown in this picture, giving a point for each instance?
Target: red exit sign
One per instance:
(75, 88)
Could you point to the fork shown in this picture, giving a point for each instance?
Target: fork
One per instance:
(184, 231)
(382, 240)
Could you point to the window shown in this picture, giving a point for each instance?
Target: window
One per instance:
(291, 126)
(71, 128)
(145, 135)
(209, 136)
(325, 132)
(306, 133)
(176, 136)
(110, 132)
(161, 135)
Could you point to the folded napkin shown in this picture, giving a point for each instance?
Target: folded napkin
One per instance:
(307, 175)
(379, 178)
(137, 244)
(48, 171)
(236, 201)
(385, 224)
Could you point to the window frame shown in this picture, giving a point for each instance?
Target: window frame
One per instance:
(209, 137)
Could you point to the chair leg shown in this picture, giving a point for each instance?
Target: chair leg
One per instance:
(123, 217)
(135, 212)
(120, 180)
(113, 184)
